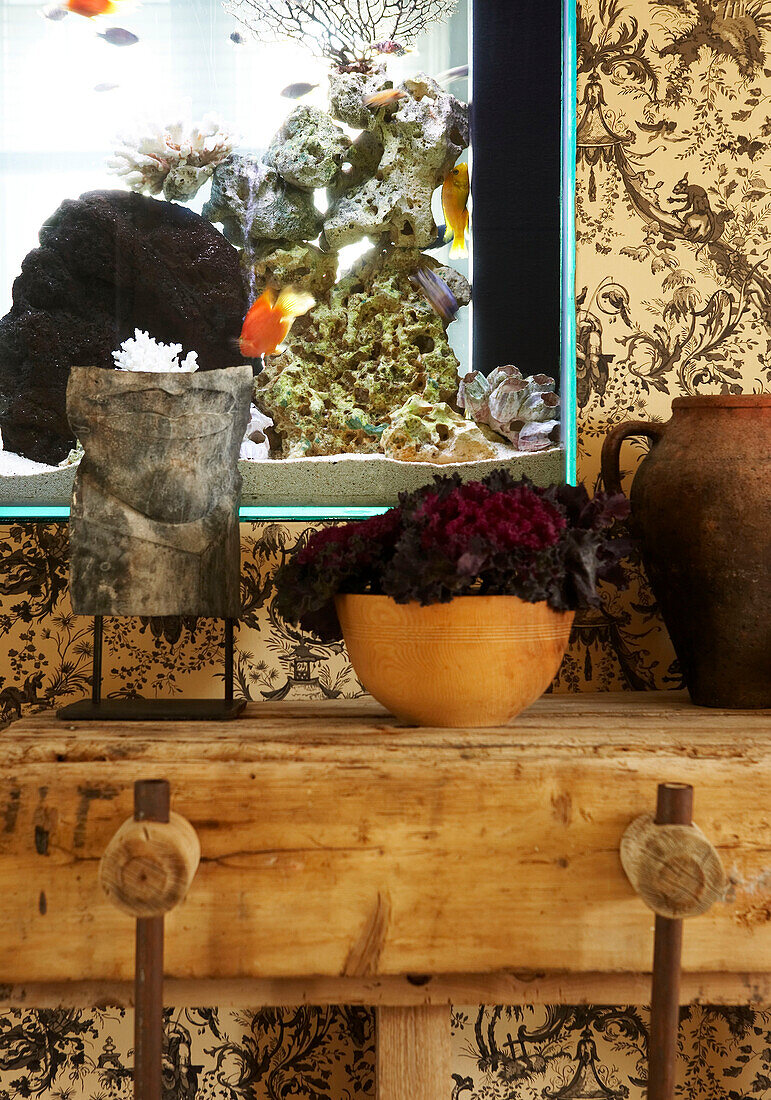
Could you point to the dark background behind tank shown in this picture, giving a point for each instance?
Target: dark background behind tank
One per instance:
(516, 98)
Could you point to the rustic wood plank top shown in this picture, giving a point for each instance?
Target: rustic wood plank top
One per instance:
(336, 843)
(614, 723)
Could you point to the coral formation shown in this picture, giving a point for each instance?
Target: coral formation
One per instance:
(142, 353)
(109, 263)
(345, 31)
(372, 357)
(522, 410)
(357, 357)
(403, 156)
(424, 432)
(278, 264)
(176, 159)
(309, 149)
(254, 203)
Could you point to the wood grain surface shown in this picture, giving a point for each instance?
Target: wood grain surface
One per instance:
(336, 843)
(413, 1053)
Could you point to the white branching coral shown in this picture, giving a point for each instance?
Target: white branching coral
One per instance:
(141, 353)
(344, 31)
(176, 159)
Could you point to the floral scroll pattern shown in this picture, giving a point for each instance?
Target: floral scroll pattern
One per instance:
(329, 1053)
(674, 297)
(674, 247)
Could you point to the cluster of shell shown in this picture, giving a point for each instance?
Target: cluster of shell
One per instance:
(523, 410)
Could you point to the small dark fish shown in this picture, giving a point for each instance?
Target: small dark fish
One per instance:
(237, 38)
(460, 72)
(297, 91)
(384, 98)
(105, 87)
(119, 36)
(389, 46)
(54, 12)
(436, 290)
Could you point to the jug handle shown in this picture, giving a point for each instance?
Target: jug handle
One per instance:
(611, 448)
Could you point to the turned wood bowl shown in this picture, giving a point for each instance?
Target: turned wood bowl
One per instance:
(474, 662)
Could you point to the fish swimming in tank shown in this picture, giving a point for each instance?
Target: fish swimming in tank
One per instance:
(92, 8)
(460, 72)
(119, 36)
(395, 49)
(437, 292)
(455, 193)
(298, 90)
(269, 320)
(384, 98)
(54, 12)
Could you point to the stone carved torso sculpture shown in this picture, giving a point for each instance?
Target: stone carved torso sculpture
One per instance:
(154, 524)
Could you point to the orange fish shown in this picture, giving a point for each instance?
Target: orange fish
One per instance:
(268, 322)
(455, 193)
(90, 8)
(384, 98)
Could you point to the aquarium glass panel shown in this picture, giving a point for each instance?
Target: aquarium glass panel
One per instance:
(195, 184)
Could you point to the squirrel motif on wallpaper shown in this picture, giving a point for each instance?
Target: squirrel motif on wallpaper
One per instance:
(12, 699)
(699, 220)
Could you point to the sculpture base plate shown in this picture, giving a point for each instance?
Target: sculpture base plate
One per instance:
(151, 710)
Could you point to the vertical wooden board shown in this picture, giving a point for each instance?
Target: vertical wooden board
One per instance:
(413, 1053)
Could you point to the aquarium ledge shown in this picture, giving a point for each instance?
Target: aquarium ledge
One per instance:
(348, 479)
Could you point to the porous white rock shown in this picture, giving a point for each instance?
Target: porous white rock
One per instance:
(424, 431)
(421, 136)
(252, 202)
(309, 149)
(176, 158)
(348, 91)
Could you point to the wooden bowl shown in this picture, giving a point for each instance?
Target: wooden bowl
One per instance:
(476, 661)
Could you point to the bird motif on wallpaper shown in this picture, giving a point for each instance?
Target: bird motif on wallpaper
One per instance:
(731, 28)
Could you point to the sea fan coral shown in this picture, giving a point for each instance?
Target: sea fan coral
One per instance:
(176, 159)
(344, 31)
(141, 353)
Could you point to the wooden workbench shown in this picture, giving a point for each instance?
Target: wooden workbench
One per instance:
(347, 859)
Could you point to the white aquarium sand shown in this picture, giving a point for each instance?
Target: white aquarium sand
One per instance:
(331, 480)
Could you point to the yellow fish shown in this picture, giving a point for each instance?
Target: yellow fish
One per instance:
(455, 192)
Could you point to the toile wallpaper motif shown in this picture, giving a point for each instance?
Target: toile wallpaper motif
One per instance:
(329, 1054)
(674, 296)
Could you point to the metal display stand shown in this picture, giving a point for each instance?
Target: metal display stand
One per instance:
(153, 710)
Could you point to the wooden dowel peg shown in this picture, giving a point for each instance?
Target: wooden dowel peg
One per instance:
(674, 807)
(146, 870)
(149, 864)
(674, 868)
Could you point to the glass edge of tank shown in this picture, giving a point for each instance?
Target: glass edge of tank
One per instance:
(310, 513)
(568, 241)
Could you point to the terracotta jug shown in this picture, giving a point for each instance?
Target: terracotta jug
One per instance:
(701, 507)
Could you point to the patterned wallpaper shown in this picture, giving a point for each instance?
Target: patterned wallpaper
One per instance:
(674, 282)
(552, 1053)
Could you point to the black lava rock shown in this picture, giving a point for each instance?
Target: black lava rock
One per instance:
(108, 263)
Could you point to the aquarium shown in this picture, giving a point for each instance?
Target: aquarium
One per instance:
(195, 184)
